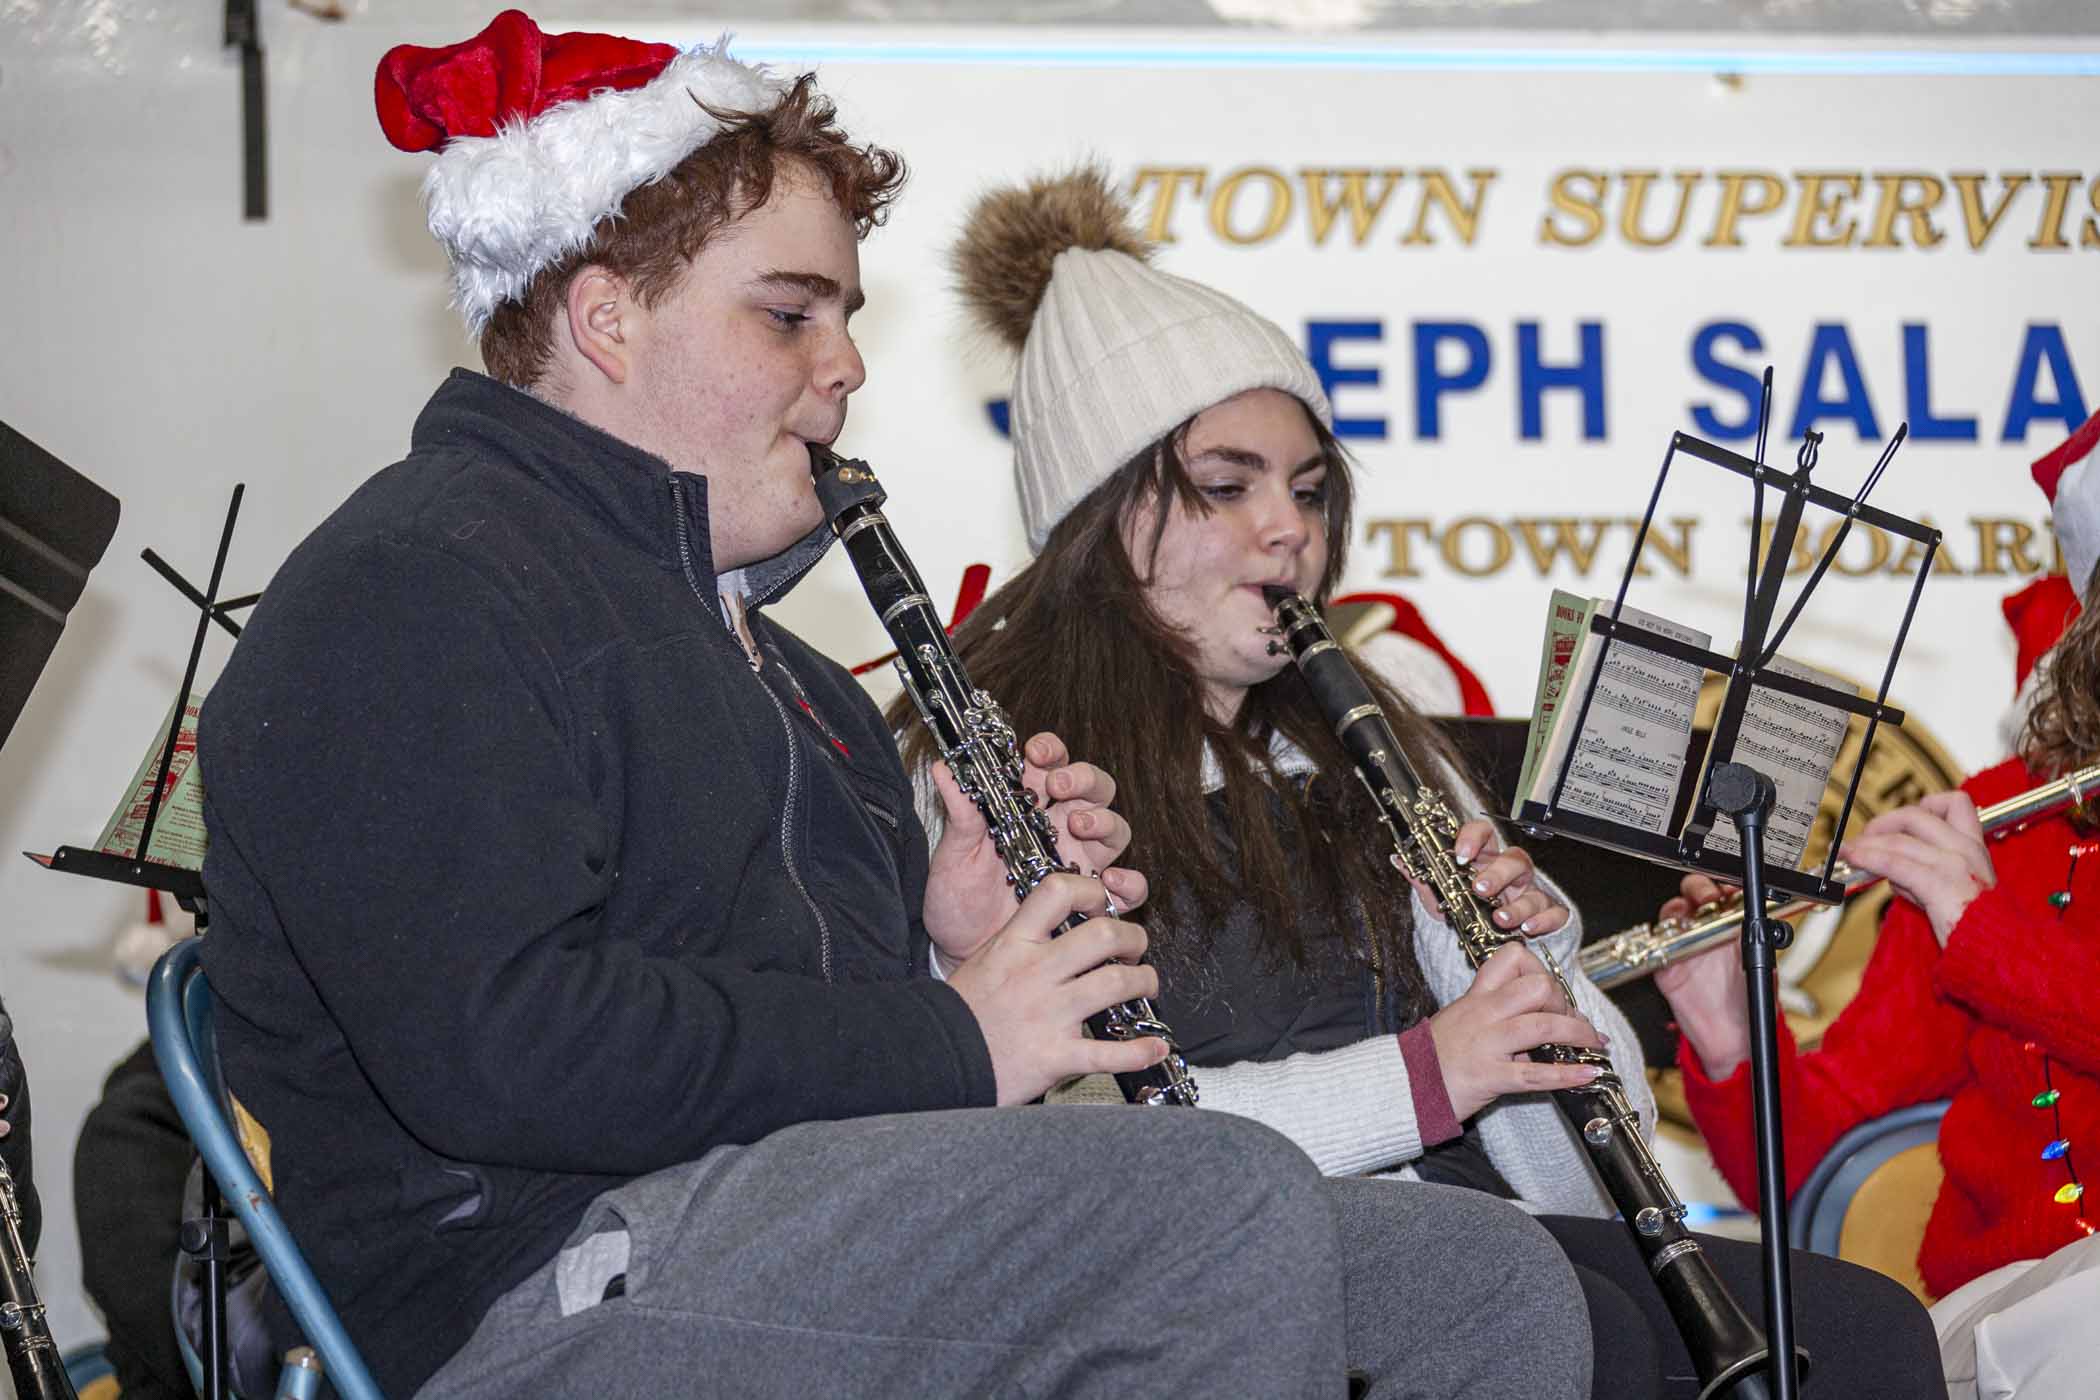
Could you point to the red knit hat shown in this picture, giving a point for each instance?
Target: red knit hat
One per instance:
(542, 136)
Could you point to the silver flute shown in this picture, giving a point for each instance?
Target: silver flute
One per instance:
(975, 738)
(1727, 1349)
(1645, 949)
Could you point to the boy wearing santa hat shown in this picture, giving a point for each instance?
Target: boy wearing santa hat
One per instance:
(572, 924)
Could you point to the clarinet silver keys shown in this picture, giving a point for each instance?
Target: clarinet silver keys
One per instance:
(32, 1357)
(1728, 1350)
(975, 738)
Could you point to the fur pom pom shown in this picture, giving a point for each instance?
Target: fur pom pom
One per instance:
(1013, 237)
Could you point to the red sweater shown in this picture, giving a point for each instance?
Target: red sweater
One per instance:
(1931, 1023)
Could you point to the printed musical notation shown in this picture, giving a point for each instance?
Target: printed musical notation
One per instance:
(1637, 707)
(1802, 816)
(1789, 735)
(1619, 781)
(1627, 756)
(1796, 757)
(1672, 687)
(1794, 742)
(1626, 763)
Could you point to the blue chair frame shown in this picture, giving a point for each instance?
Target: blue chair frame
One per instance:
(179, 1017)
(87, 1364)
(1816, 1218)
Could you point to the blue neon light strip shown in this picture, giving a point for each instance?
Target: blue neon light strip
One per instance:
(1200, 54)
(1698, 1213)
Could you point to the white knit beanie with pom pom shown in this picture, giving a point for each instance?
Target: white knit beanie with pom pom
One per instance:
(1114, 353)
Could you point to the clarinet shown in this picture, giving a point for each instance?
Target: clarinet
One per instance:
(1728, 1350)
(32, 1357)
(975, 737)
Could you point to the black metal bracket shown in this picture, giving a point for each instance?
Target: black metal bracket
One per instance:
(185, 884)
(244, 31)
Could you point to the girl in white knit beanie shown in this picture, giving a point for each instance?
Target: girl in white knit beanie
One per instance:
(1173, 455)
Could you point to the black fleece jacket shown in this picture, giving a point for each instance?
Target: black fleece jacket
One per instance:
(524, 883)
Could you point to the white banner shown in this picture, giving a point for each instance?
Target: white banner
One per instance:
(1518, 285)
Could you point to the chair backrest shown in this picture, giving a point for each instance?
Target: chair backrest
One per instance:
(1886, 1222)
(1887, 1166)
(179, 1018)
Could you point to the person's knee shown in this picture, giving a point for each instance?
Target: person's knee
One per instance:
(1896, 1331)
(1249, 1183)
(1207, 1152)
(1506, 1243)
(1510, 1257)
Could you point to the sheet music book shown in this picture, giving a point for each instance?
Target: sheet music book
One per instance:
(1626, 763)
(1567, 623)
(178, 832)
(1795, 742)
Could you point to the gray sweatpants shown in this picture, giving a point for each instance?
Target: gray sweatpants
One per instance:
(1033, 1252)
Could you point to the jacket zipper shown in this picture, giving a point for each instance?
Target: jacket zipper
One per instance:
(1379, 1019)
(787, 732)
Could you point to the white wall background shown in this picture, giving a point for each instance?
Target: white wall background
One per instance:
(168, 350)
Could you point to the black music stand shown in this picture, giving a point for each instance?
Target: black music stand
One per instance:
(1742, 791)
(185, 884)
(80, 505)
(54, 526)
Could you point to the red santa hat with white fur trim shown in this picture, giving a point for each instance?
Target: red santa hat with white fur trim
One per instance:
(2069, 479)
(2039, 612)
(542, 136)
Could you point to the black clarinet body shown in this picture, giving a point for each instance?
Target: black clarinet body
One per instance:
(974, 737)
(1728, 1349)
(33, 1361)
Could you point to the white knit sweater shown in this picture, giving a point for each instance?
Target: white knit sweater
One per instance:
(1352, 1110)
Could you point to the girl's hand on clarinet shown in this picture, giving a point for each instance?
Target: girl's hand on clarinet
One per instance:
(967, 896)
(1090, 837)
(1482, 1039)
(1032, 989)
(1505, 878)
(10, 1072)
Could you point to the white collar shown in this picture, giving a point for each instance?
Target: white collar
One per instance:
(1288, 758)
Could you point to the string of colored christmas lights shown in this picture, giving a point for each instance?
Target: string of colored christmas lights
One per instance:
(2072, 1192)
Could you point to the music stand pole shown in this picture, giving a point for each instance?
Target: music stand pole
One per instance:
(1745, 796)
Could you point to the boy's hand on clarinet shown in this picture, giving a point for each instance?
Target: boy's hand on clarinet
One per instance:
(1031, 990)
(1483, 1038)
(967, 896)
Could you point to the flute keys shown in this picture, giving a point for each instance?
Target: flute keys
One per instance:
(1597, 1132)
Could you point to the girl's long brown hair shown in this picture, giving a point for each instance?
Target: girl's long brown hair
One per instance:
(2062, 731)
(1071, 645)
